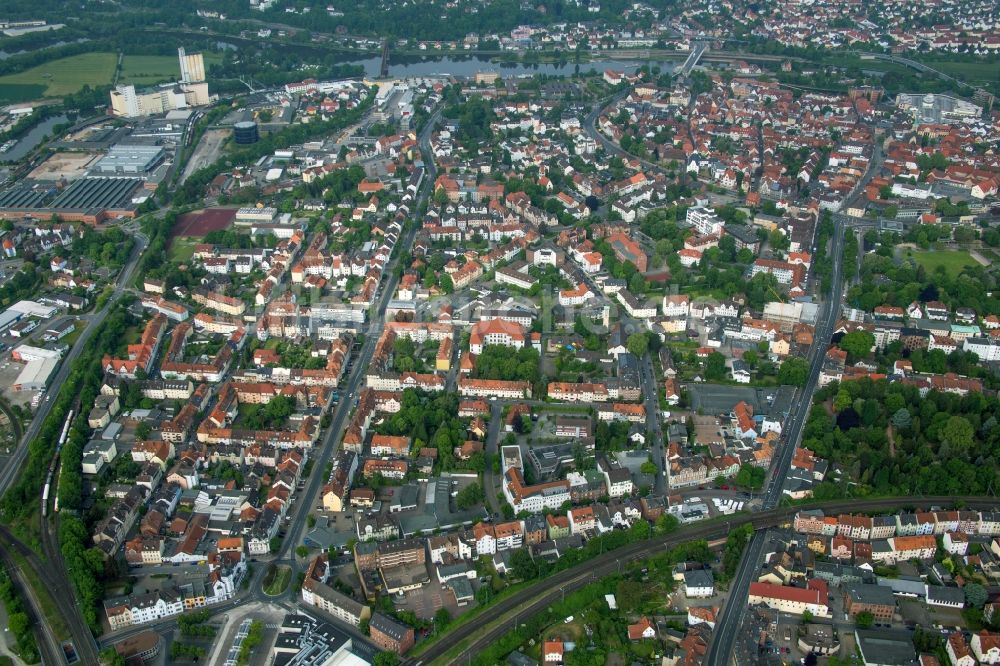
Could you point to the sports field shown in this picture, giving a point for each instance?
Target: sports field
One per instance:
(58, 77)
(952, 260)
(200, 222)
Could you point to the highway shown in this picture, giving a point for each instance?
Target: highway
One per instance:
(477, 634)
(727, 628)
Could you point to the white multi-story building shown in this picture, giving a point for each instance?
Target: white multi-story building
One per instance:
(704, 220)
(986, 349)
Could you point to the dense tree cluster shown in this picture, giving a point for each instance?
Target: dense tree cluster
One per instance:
(271, 416)
(886, 282)
(105, 248)
(502, 362)
(888, 440)
(23, 284)
(18, 622)
(474, 117)
(429, 420)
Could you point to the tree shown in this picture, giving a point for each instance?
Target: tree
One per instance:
(470, 496)
(857, 344)
(794, 371)
(630, 594)
(386, 658)
(522, 566)
(715, 367)
(446, 284)
(975, 595)
(648, 467)
(639, 531)
(442, 618)
(750, 476)
(958, 432)
(864, 620)
(484, 595)
(807, 617)
(638, 344)
(302, 551)
(902, 418)
(666, 523)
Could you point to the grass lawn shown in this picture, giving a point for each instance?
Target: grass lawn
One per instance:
(182, 248)
(277, 580)
(71, 338)
(981, 72)
(61, 77)
(952, 260)
(145, 70)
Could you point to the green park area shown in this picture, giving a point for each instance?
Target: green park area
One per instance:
(276, 580)
(64, 76)
(147, 70)
(952, 260)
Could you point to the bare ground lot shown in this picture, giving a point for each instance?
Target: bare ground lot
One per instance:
(68, 166)
(207, 152)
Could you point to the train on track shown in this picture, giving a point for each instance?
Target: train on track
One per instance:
(50, 477)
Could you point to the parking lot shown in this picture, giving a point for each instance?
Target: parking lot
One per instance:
(715, 399)
(428, 599)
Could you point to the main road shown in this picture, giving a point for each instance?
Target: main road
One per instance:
(354, 384)
(720, 650)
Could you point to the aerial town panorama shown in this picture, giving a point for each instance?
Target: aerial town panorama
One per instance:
(499, 332)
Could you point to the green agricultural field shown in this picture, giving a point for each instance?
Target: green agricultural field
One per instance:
(974, 72)
(952, 260)
(146, 70)
(60, 77)
(12, 93)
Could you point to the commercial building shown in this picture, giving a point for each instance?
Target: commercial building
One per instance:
(192, 90)
(304, 641)
(192, 66)
(793, 600)
(126, 102)
(874, 599)
(131, 160)
(932, 108)
(91, 200)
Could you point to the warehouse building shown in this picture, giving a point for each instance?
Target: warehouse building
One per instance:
(129, 160)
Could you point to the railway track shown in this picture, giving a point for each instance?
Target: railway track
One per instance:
(536, 598)
(52, 577)
(48, 646)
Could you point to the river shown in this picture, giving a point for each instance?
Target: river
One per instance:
(28, 142)
(408, 66)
